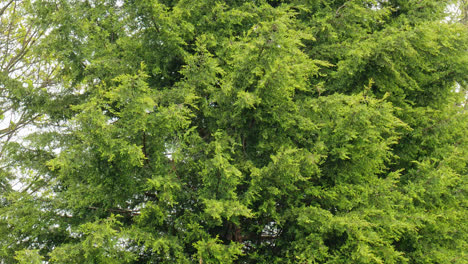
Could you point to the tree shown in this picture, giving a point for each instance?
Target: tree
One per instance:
(246, 132)
(20, 72)
(27, 86)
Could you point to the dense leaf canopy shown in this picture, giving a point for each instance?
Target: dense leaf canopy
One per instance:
(183, 131)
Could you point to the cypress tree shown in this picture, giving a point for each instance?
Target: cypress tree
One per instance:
(244, 132)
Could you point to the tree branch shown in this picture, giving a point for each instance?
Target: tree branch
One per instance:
(337, 13)
(117, 210)
(5, 7)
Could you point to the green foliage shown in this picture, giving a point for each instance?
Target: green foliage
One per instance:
(28, 256)
(213, 251)
(101, 243)
(290, 131)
